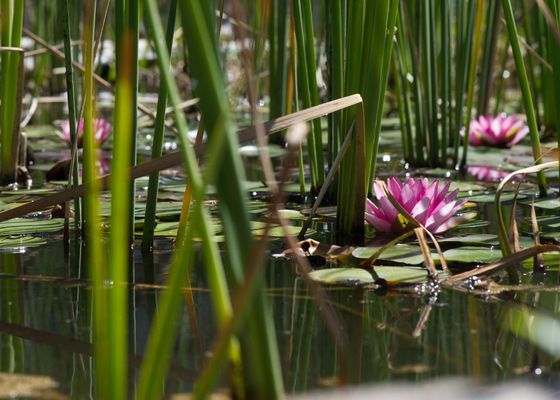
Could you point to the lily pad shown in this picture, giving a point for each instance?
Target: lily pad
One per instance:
(359, 276)
(401, 253)
(472, 254)
(491, 198)
(548, 204)
(466, 186)
(21, 226)
(342, 276)
(482, 239)
(404, 274)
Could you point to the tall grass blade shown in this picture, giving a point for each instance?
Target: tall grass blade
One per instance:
(163, 331)
(11, 25)
(472, 77)
(157, 144)
(96, 264)
(307, 83)
(71, 98)
(525, 90)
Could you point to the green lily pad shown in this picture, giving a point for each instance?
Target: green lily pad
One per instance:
(293, 215)
(342, 276)
(472, 254)
(12, 242)
(404, 274)
(21, 226)
(475, 223)
(548, 204)
(401, 253)
(466, 186)
(491, 198)
(359, 276)
(482, 239)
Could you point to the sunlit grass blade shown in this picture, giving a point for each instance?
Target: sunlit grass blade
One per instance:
(11, 24)
(525, 90)
(489, 56)
(71, 98)
(163, 331)
(157, 144)
(119, 250)
(96, 260)
(472, 77)
(262, 376)
(307, 82)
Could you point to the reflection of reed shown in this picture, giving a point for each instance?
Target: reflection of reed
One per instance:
(12, 311)
(70, 344)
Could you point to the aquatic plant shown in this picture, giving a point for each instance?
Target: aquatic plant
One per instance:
(497, 131)
(481, 173)
(102, 131)
(430, 204)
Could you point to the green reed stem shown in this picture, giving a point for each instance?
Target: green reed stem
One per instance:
(96, 260)
(335, 49)
(157, 145)
(501, 80)
(463, 60)
(71, 97)
(525, 91)
(261, 373)
(472, 77)
(388, 34)
(278, 58)
(347, 180)
(427, 41)
(11, 24)
(553, 47)
(488, 58)
(119, 250)
(126, 23)
(303, 24)
(163, 331)
(446, 83)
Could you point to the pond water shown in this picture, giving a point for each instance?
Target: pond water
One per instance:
(412, 333)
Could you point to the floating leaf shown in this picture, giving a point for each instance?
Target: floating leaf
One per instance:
(466, 186)
(472, 254)
(481, 239)
(548, 204)
(342, 276)
(400, 274)
(491, 198)
(476, 223)
(20, 226)
(401, 253)
(358, 276)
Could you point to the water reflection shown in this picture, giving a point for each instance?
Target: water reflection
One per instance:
(45, 326)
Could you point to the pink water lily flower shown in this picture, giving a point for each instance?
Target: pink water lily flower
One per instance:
(102, 130)
(486, 173)
(497, 131)
(431, 204)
